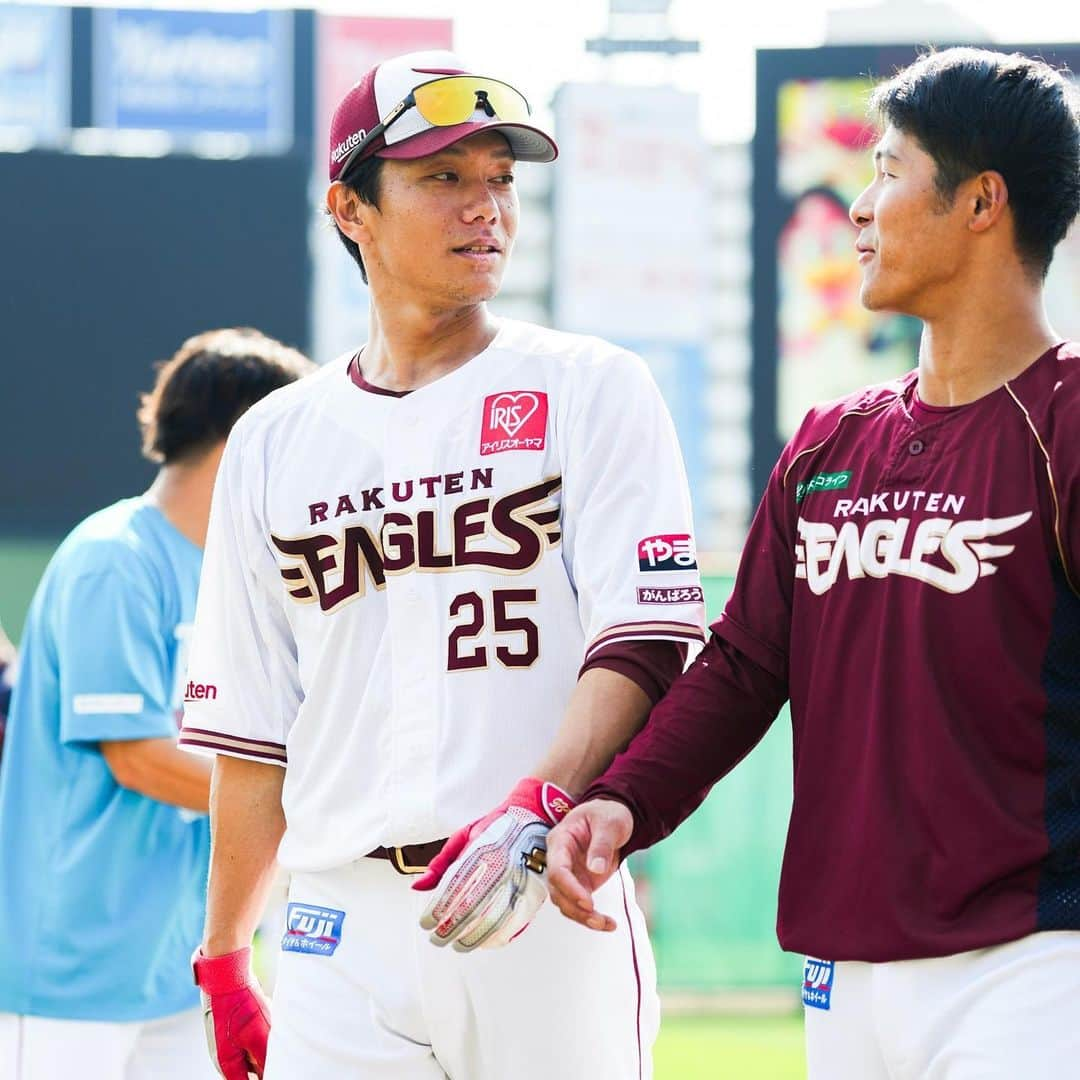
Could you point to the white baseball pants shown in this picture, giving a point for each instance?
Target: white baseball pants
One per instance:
(1000, 1013)
(559, 1001)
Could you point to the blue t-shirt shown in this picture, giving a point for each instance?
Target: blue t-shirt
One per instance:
(101, 889)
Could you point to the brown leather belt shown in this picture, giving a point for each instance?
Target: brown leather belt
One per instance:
(410, 859)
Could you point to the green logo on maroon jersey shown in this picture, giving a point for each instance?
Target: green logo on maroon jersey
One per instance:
(824, 481)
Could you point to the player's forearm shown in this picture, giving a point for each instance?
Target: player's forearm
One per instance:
(712, 717)
(157, 769)
(246, 825)
(605, 711)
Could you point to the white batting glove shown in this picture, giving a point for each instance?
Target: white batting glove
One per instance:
(496, 868)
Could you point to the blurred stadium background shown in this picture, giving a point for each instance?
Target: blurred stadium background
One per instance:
(161, 172)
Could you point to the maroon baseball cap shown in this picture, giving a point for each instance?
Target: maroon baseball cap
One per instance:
(411, 135)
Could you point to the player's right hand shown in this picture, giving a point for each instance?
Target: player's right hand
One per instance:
(235, 1011)
(583, 852)
(492, 871)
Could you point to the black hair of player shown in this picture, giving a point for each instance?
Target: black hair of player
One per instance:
(974, 110)
(364, 179)
(207, 385)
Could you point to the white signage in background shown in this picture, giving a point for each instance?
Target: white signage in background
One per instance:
(35, 70)
(631, 213)
(631, 240)
(1063, 287)
(346, 47)
(639, 7)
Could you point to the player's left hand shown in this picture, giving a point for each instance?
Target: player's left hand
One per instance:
(496, 885)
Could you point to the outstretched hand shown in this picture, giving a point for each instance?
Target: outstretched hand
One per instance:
(582, 853)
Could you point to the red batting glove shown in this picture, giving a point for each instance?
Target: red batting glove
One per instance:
(235, 1011)
(492, 871)
(546, 801)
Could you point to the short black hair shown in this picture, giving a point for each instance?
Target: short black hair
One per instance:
(207, 385)
(974, 110)
(364, 179)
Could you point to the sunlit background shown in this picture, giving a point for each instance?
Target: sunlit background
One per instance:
(162, 169)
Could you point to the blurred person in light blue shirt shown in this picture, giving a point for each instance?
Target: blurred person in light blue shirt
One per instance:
(103, 831)
(7, 677)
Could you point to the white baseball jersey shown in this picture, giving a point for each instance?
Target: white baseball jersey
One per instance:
(398, 591)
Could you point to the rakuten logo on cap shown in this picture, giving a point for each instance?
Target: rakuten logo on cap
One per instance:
(346, 147)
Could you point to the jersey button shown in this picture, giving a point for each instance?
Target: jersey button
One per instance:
(916, 446)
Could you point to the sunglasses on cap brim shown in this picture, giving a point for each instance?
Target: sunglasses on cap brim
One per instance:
(447, 101)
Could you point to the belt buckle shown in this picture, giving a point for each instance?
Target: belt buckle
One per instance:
(397, 857)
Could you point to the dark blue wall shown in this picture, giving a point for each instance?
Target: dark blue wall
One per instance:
(106, 265)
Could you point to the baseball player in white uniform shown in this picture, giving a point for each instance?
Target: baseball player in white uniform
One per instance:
(446, 578)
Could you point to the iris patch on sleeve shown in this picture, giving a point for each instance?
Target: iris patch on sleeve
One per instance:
(671, 551)
(314, 930)
(514, 420)
(817, 983)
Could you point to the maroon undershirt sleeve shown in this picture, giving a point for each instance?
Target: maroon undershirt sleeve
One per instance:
(654, 665)
(711, 718)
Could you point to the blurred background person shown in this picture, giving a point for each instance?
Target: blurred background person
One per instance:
(7, 677)
(103, 835)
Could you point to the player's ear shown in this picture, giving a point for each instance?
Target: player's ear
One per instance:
(350, 212)
(988, 196)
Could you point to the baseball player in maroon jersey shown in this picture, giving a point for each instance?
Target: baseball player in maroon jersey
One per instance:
(438, 597)
(910, 582)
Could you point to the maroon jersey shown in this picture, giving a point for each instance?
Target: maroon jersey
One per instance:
(909, 581)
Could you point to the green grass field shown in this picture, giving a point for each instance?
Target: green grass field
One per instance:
(730, 1048)
(21, 565)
